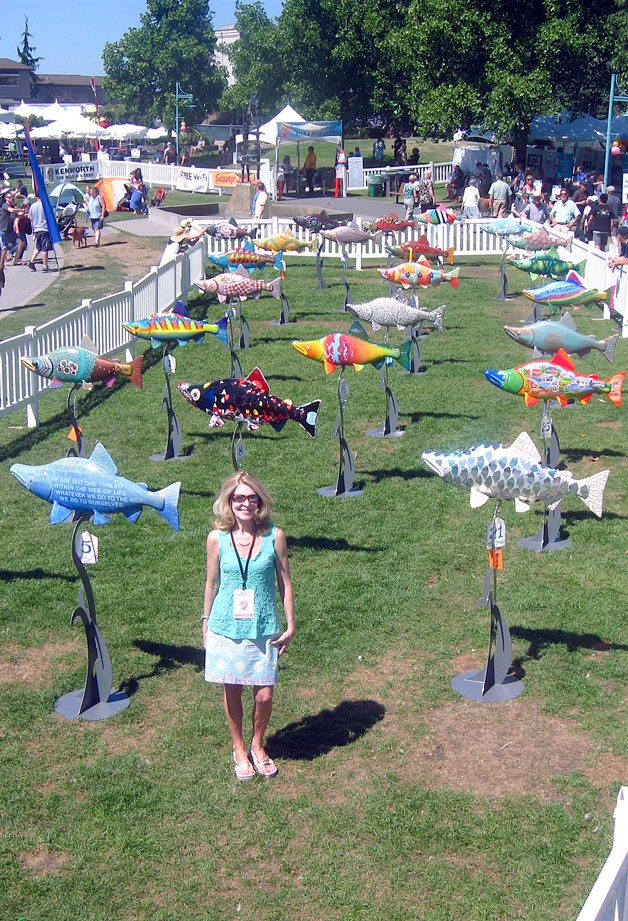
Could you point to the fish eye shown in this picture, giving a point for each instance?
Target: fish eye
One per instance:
(195, 393)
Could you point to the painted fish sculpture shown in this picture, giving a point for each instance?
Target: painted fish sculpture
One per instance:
(248, 400)
(396, 311)
(548, 264)
(421, 247)
(342, 349)
(414, 274)
(83, 365)
(548, 336)
(502, 226)
(514, 472)
(247, 257)
(349, 233)
(437, 216)
(169, 327)
(94, 485)
(568, 293)
(229, 230)
(389, 223)
(286, 243)
(317, 221)
(556, 379)
(534, 240)
(238, 284)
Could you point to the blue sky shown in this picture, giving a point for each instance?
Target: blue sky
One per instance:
(70, 35)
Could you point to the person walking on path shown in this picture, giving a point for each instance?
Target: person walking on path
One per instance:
(95, 204)
(242, 632)
(40, 232)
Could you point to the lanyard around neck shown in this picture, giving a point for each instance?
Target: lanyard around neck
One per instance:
(244, 570)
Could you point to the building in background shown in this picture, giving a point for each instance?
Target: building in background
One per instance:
(225, 35)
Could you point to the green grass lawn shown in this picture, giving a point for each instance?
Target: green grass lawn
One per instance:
(397, 798)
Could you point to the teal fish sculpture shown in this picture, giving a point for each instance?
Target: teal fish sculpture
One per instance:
(548, 336)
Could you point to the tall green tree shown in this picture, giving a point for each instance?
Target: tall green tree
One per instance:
(174, 43)
(26, 54)
(258, 61)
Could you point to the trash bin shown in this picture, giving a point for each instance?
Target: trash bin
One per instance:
(376, 186)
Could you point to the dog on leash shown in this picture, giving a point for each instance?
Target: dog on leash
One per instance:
(79, 237)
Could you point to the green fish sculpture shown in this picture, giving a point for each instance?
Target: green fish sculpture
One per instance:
(547, 264)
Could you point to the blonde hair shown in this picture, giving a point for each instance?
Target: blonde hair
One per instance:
(225, 518)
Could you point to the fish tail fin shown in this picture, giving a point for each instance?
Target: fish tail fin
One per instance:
(450, 254)
(306, 416)
(405, 355)
(439, 318)
(170, 498)
(591, 491)
(221, 335)
(616, 382)
(136, 371)
(313, 244)
(609, 350)
(276, 288)
(253, 233)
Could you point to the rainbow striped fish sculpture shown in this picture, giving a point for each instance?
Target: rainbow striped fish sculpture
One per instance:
(169, 327)
(568, 293)
(341, 349)
(514, 472)
(93, 485)
(83, 365)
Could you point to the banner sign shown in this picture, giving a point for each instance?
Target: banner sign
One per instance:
(310, 131)
(70, 172)
(191, 179)
(225, 179)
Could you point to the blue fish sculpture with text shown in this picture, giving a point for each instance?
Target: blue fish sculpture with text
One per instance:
(94, 486)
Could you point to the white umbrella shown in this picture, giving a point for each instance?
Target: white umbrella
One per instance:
(74, 125)
(8, 132)
(121, 132)
(53, 112)
(24, 110)
(153, 134)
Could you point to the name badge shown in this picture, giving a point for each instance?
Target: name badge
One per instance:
(243, 603)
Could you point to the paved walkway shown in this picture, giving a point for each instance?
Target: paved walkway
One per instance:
(23, 286)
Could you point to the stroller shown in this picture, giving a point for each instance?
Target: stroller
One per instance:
(158, 197)
(66, 218)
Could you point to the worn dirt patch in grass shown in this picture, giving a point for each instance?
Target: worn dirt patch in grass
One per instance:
(34, 666)
(43, 862)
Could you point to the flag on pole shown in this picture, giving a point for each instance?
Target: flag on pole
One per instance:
(40, 188)
(92, 83)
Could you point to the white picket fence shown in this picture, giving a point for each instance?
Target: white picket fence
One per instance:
(608, 900)
(102, 319)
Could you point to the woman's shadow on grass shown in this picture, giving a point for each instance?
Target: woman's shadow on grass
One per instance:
(316, 735)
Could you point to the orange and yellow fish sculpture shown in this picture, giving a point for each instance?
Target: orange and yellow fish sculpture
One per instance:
(286, 243)
(342, 349)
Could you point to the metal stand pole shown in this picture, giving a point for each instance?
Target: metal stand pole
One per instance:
(548, 536)
(503, 281)
(389, 428)
(320, 281)
(238, 448)
(343, 488)
(77, 437)
(175, 436)
(97, 700)
(236, 367)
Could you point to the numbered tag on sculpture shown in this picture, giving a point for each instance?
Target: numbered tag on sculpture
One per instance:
(89, 548)
(170, 364)
(243, 603)
(496, 536)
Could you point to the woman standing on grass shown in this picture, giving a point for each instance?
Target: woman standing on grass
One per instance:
(241, 625)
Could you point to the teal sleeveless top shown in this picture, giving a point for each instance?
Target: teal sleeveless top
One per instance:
(261, 577)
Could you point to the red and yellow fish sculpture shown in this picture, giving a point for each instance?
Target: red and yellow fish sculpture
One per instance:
(390, 223)
(421, 247)
(413, 274)
(342, 349)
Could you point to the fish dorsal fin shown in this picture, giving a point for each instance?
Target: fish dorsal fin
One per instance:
(478, 498)
(423, 260)
(353, 225)
(521, 506)
(358, 331)
(424, 240)
(524, 445)
(256, 377)
(574, 279)
(562, 359)
(233, 222)
(552, 251)
(402, 297)
(324, 213)
(87, 344)
(101, 456)
(568, 320)
(241, 271)
(248, 246)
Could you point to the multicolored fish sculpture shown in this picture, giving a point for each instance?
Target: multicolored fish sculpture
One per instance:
(390, 223)
(286, 243)
(248, 257)
(349, 233)
(238, 284)
(421, 247)
(413, 274)
(396, 311)
(83, 365)
(568, 293)
(317, 221)
(548, 336)
(548, 264)
(169, 327)
(502, 226)
(556, 379)
(229, 230)
(248, 400)
(93, 485)
(437, 216)
(514, 472)
(533, 240)
(342, 349)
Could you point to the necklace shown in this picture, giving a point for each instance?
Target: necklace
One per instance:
(244, 542)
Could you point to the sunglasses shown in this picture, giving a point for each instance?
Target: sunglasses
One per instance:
(239, 499)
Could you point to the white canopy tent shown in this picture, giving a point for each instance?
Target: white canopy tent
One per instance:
(121, 132)
(268, 131)
(53, 112)
(154, 134)
(70, 125)
(25, 111)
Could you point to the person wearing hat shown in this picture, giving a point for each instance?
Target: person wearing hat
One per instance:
(622, 246)
(182, 236)
(535, 210)
(614, 202)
